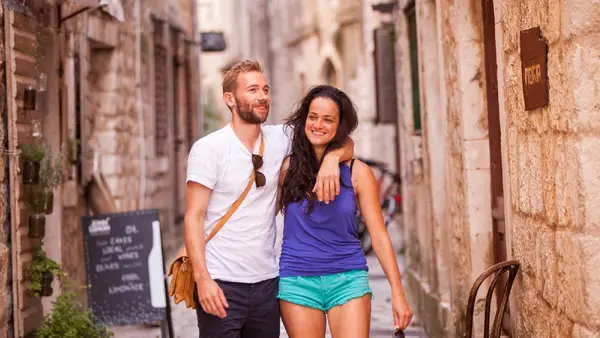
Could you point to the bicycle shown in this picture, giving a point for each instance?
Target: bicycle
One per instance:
(390, 201)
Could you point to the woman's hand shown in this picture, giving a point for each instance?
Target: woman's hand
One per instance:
(402, 312)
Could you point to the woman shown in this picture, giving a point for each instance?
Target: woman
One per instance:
(323, 271)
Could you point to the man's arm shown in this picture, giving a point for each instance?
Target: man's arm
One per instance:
(328, 178)
(210, 295)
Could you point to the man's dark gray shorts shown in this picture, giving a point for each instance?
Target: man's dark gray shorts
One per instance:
(253, 311)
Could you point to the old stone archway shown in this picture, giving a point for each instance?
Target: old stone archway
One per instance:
(329, 73)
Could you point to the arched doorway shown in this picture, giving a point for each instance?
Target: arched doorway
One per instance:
(330, 73)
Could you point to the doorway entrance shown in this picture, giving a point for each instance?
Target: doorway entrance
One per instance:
(497, 190)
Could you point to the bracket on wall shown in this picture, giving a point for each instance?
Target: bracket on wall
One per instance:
(385, 7)
(114, 8)
(77, 12)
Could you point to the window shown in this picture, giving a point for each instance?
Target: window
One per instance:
(160, 94)
(190, 120)
(414, 65)
(385, 74)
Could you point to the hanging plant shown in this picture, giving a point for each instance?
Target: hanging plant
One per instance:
(41, 273)
(69, 319)
(41, 197)
(51, 174)
(32, 154)
(72, 146)
(37, 225)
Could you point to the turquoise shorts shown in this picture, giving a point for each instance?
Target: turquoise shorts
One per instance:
(324, 292)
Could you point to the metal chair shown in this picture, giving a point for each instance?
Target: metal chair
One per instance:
(512, 267)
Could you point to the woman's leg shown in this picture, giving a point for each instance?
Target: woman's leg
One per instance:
(351, 319)
(301, 321)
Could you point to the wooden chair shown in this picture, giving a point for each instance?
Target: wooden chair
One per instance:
(498, 270)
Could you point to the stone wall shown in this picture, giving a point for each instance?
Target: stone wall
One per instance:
(5, 226)
(26, 40)
(113, 112)
(554, 166)
(551, 165)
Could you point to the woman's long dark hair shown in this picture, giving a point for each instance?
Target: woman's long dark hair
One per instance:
(303, 169)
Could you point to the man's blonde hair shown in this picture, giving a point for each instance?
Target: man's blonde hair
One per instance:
(241, 67)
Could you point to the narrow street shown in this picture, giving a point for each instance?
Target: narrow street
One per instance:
(184, 320)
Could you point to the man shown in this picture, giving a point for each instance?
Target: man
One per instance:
(236, 272)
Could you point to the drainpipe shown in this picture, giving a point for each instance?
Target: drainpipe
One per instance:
(140, 108)
(199, 101)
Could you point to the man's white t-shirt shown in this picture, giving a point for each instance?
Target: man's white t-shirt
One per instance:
(243, 250)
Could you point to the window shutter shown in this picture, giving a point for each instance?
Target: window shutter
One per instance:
(385, 74)
(160, 100)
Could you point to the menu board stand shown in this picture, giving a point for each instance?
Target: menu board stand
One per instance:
(126, 270)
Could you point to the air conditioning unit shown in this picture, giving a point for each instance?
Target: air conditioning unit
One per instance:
(213, 42)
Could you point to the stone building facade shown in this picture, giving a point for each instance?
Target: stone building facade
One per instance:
(485, 179)
(5, 226)
(121, 82)
(332, 42)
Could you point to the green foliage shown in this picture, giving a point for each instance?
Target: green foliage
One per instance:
(69, 319)
(33, 152)
(72, 145)
(212, 117)
(40, 266)
(50, 178)
(51, 172)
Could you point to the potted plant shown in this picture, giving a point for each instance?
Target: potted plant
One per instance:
(32, 155)
(41, 197)
(72, 146)
(51, 175)
(38, 202)
(41, 273)
(72, 154)
(69, 319)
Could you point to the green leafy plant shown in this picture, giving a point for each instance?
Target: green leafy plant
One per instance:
(51, 171)
(72, 145)
(33, 152)
(50, 178)
(41, 268)
(69, 319)
(212, 117)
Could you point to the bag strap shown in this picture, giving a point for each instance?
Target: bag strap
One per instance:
(240, 199)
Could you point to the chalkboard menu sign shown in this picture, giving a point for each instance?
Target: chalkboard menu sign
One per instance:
(124, 263)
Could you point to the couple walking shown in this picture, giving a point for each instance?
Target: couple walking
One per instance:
(304, 169)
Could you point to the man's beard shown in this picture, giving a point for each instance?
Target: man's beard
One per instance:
(247, 114)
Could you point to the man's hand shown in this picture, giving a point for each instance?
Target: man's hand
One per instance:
(211, 297)
(328, 179)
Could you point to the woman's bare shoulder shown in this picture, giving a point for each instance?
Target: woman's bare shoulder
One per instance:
(359, 168)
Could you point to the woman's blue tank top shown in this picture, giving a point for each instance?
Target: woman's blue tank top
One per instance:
(324, 241)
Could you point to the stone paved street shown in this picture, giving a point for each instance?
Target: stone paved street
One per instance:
(184, 320)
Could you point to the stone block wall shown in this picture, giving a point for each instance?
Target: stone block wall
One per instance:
(113, 111)
(5, 226)
(554, 169)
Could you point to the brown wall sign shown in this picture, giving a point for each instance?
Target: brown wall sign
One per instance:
(534, 68)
